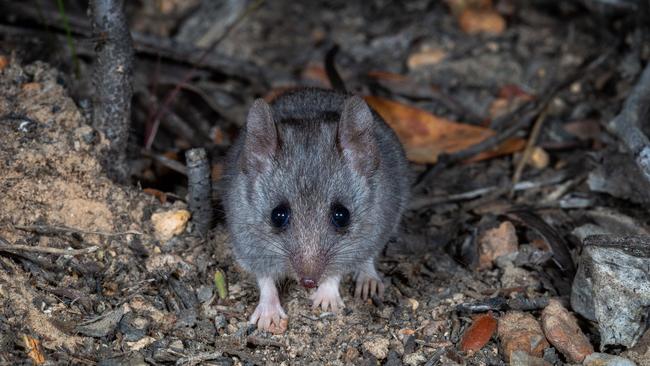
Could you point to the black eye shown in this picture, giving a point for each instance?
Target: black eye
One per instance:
(340, 216)
(280, 216)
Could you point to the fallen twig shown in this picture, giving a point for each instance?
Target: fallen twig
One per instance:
(167, 162)
(6, 246)
(528, 152)
(426, 201)
(627, 124)
(65, 230)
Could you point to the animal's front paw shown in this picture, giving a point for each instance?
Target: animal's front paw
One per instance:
(327, 296)
(368, 286)
(268, 317)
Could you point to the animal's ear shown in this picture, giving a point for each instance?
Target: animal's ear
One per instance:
(356, 136)
(261, 140)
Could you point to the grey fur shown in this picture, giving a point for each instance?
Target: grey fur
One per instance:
(309, 172)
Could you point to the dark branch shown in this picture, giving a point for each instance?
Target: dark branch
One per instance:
(112, 74)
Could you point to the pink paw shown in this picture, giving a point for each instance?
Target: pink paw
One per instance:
(327, 296)
(268, 316)
(368, 286)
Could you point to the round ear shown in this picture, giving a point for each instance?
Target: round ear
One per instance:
(261, 139)
(356, 136)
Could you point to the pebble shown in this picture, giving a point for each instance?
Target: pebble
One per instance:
(497, 242)
(562, 330)
(377, 347)
(169, 223)
(520, 331)
(603, 359)
(414, 359)
(521, 358)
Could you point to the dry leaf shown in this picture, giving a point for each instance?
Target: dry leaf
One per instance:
(477, 16)
(33, 348)
(510, 98)
(425, 58)
(426, 136)
(4, 62)
(479, 333)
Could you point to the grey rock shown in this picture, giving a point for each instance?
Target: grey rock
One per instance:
(603, 359)
(612, 287)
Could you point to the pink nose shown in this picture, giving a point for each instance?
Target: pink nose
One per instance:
(307, 282)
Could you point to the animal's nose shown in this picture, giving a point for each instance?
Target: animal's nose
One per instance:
(308, 282)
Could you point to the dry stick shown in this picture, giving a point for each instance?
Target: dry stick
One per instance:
(62, 230)
(627, 124)
(530, 146)
(151, 134)
(427, 201)
(6, 246)
(199, 189)
(112, 74)
(165, 161)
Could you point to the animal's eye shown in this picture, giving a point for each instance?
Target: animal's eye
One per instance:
(340, 216)
(280, 216)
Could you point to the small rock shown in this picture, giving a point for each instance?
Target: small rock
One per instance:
(521, 358)
(562, 330)
(220, 321)
(415, 359)
(169, 223)
(4, 62)
(517, 277)
(603, 359)
(377, 347)
(393, 359)
(351, 355)
(204, 293)
(497, 242)
(105, 324)
(409, 344)
(520, 331)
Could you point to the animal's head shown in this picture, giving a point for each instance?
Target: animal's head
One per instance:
(311, 188)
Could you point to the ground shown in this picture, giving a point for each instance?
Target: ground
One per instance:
(119, 292)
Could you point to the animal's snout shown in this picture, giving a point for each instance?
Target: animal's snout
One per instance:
(308, 282)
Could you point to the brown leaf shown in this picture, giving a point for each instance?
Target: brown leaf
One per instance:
(33, 348)
(425, 58)
(426, 136)
(479, 333)
(4, 62)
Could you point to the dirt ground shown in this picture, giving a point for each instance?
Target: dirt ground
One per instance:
(114, 291)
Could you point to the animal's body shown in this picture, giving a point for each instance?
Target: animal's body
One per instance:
(315, 186)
